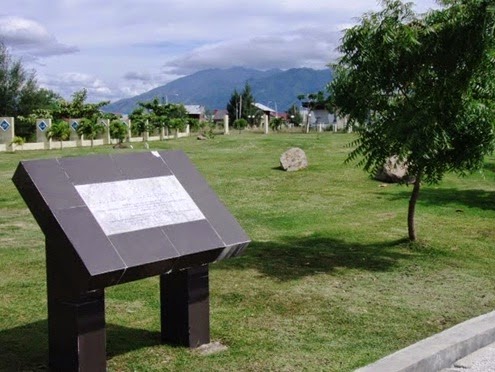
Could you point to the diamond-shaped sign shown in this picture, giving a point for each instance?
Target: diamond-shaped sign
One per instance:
(5, 125)
(42, 126)
(74, 125)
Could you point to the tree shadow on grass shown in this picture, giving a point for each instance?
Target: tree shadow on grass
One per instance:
(25, 348)
(293, 258)
(480, 199)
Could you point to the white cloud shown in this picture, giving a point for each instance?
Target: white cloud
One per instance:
(307, 47)
(139, 76)
(31, 38)
(68, 83)
(125, 47)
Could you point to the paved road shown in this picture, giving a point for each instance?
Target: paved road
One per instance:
(482, 360)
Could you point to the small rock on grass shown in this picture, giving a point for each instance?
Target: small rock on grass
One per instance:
(211, 348)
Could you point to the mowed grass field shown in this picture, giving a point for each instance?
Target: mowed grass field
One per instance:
(328, 283)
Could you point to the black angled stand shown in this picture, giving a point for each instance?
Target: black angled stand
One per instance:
(76, 323)
(112, 219)
(185, 307)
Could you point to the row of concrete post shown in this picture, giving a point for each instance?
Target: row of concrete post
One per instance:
(8, 143)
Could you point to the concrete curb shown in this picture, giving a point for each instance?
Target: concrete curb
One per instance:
(441, 350)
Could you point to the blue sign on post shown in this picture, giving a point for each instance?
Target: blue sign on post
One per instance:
(74, 125)
(42, 126)
(5, 125)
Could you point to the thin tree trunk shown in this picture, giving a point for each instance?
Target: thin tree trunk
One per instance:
(412, 208)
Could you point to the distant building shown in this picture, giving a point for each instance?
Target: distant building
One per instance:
(320, 117)
(266, 110)
(196, 112)
(219, 115)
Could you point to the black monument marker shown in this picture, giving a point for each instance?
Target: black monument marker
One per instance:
(112, 219)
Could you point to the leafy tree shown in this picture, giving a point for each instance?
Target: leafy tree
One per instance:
(158, 114)
(311, 101)
(78, 107)
(204, 127)
(277, 123)
(20, 94)
(90, 129)
(118, 130)
(17, 141)
(240, 124)
(178, 118)
(59, 131)
(140, 121)
(110, 116)
(255, 117)
(15, 83)
(233, 106)
(196, 125)
(247, 107)
(294, 115)
(178, 124)
(161, 115)
(421, 88)
(240, 105)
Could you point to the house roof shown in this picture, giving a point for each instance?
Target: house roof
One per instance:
(220, 114)
(195, 109)
(263, 107)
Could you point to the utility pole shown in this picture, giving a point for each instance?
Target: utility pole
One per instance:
(240, 106)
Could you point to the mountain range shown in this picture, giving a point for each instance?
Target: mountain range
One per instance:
(213, 88)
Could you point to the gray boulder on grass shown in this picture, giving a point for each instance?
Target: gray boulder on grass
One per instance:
(393, 171)
(293, 159)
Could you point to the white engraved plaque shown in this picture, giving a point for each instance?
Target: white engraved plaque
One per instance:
(131, 205)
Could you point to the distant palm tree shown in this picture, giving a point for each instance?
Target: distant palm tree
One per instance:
(90, 129)
(118, 130)
(59, 131)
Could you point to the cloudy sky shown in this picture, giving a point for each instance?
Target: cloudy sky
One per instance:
(120, 48)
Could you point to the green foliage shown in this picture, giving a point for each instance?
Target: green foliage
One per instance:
(205, 127)
(277, 123)
(18, 141)
(110, 116)
(140, 121)
(178, 124)
(312, 101)
(59, 131)
(294, 115)
(240, 105)
(78, 108)
(118, 130)
(15, 83)
(195, 124)
(168, 115)
(20, 95)
(420, 87)
(240, 124)
(90, 129)
(328, 237)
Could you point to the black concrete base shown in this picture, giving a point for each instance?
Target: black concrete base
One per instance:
(76, 325)
(185, 307)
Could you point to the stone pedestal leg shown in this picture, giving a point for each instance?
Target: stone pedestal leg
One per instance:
(76, 325)
(185, 307)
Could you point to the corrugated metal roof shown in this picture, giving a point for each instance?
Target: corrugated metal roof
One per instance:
(263, 107)
(195, 109)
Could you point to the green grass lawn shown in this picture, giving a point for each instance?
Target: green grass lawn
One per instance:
(328, 282)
